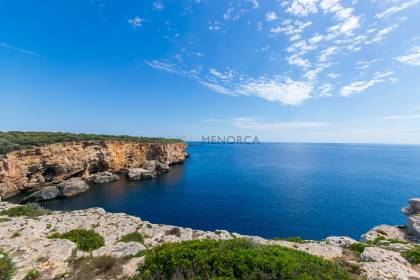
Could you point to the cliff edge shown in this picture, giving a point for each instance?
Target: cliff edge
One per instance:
(38, 167)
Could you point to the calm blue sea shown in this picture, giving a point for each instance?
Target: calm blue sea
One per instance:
(306, 190)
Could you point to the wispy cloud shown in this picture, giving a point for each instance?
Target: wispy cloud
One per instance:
(158, 5)
(271, 16)
(413, 58)
(360, 86)
(24, 51)
(395, 9)
(135, 22)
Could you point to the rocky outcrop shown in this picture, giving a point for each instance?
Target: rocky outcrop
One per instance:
(49, 165)
(68, 188)
(135, 174)
(104, 177)
(413, 215)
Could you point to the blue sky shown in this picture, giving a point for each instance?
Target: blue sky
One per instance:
(299, 71)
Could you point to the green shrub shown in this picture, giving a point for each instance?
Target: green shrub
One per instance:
(86, 240)
(16, 140)
(133, 237)
(32, 275)
(291, 239)
(7, 268)
(380, 231)
(30, 210)
(234, 259)
(412, 255)
(358, 247)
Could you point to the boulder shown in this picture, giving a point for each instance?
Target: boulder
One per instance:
(119, 249)
(135, 174)
(104, 177)
(162, 167)
(340, 241)
(389, 232)
(72, 187)
(414, 207)
(47, 193)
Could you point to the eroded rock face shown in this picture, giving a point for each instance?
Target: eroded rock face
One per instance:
(135, 174)
(413, 216)
(39, 167)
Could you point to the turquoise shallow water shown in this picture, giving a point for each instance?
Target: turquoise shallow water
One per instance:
(306, 190)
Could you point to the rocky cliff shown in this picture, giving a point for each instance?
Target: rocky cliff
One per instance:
(26, 238)
(42, 166)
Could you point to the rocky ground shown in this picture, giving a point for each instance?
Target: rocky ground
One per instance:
(25, 240)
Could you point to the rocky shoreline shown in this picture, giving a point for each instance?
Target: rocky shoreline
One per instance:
(28, 242)
(62, 169)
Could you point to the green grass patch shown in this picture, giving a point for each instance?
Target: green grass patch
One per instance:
(412, 255)
(358, 247)
(7, 268)
(86, 240)
(291, 239)
(32, 275)
(17, 140)
(30, 210)
(133, 237)
(235, 259)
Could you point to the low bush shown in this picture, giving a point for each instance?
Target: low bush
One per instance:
(380, 231)
(86, 240)
(30, 210)
(235, 259)
(291, 239)
(412, 255)
(133, 237)
(7, 268)
(358, 247)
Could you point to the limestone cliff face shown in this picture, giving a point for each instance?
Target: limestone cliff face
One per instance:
(38, 167)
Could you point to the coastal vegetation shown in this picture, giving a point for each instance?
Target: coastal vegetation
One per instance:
(7, 267)
(291, 239)
(102, 267)
(86, 240)
(133, 237)
(412, 255)
(17, 140)
(29, 210)
(235, 259)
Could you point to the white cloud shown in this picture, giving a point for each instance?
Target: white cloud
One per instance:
(215, 25)
(287, 92)
(325, 90)
(271, 16)
(381, 34)
(395, 9)
(158, 5)
(255, 124)
(301, 7)
(326, 53)
(360, 86)
(365, 64)
(13, 48)
(135, 22)
(411, 59)
(333, 75)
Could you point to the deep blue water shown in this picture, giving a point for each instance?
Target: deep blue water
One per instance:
(306, 190)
